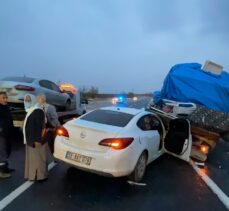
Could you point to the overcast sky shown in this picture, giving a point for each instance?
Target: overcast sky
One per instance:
(116, 45)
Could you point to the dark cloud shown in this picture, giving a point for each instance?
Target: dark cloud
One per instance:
(117, 45)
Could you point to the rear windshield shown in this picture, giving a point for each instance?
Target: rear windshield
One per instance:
(108, 117)
(18, 79)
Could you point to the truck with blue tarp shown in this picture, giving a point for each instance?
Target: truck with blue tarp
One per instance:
(192, 91)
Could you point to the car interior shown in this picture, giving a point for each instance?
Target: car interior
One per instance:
(177, 134)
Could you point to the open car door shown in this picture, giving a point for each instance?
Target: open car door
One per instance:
(178, 140)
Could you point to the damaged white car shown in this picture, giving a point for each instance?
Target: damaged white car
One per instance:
(120, 142)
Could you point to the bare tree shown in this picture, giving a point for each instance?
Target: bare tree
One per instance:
(130, 94)
(91, 92)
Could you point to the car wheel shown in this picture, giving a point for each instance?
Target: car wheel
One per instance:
(140, 168)
(68, 105)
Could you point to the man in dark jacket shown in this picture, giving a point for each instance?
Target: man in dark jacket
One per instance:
(6, 127)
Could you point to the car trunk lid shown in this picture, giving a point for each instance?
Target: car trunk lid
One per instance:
(87, 135)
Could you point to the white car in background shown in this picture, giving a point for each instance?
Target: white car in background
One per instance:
(118, 142)
(17, 87)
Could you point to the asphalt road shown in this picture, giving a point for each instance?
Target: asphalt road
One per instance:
(170, 184)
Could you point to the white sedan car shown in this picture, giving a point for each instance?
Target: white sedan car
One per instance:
(17, 87)
(120, 142)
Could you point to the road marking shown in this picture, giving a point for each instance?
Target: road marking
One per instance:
(210, 183)
(17, 192)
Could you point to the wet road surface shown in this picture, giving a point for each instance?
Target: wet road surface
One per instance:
(171, 184)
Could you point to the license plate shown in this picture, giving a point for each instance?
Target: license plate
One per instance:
(18, 123)
(78, 158)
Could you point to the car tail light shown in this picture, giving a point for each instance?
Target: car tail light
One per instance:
(62, 132)
(24, 88)
(116, 143)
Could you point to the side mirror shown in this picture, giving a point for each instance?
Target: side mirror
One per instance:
(61, 91)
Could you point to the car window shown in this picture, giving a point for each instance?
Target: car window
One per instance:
(148, 122)
(114, 118)
(19, 79)
(46, 84)
(55, 87)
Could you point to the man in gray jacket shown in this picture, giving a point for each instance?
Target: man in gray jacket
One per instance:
(50, 111)
(52, 122)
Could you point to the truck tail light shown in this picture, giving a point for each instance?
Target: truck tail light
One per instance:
(204, 149)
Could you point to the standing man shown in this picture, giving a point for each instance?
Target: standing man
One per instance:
(50, 111)
(6, 127)
(52, 120)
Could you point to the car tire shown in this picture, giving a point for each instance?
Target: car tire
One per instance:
(140, 168)
(68, 105)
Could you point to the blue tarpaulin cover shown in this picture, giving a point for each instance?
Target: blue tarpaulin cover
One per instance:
(189, 83)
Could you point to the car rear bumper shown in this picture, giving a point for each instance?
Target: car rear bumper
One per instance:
(115, 163)
(16, 100)
(87, 169)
